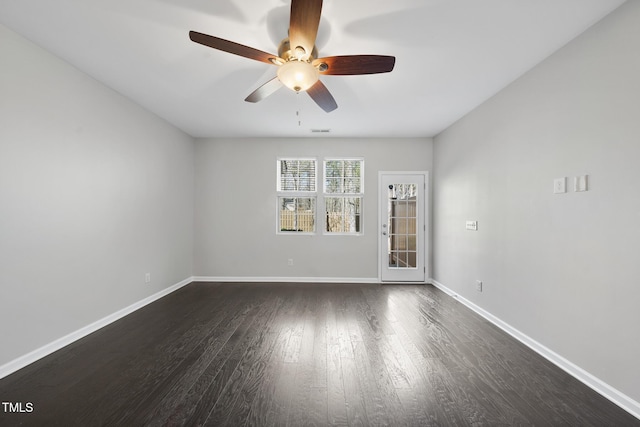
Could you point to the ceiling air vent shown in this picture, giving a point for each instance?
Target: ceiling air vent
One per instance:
(320, 130)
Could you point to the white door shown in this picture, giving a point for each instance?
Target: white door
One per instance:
(402, 230)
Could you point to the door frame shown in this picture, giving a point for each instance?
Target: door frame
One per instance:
(425, 208)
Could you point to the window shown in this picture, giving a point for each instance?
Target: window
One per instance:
(296, 189)
(343, 191)
(342, 195)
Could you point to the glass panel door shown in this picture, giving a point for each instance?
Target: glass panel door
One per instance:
(402, 224)
(402, 227)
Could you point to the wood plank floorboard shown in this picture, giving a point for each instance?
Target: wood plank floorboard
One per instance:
(286, 354)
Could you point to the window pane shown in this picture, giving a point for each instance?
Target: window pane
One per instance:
(404, 191)
(333, 185)
(352, 185)
(297, 175)
(297, 214)
(333, 168)
(335, 220)
(343, 176)
(343, 214)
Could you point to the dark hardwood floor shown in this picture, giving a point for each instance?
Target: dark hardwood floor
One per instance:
(302, 354)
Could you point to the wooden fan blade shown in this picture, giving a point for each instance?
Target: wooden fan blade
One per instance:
(265, 90)
(232, 47)
(321, 95)
(303, 25)
(355, 64)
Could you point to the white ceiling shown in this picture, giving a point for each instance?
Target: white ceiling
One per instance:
(451, 55)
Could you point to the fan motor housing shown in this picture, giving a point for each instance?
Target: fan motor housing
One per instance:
(285, 52)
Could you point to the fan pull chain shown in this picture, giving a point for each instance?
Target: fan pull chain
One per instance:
(298, 109)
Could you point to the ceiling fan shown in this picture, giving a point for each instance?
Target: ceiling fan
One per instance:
(299, 67)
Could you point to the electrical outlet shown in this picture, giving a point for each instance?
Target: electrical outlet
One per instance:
(147, 278)
(290, 261)
(560, 185)
(479, 285)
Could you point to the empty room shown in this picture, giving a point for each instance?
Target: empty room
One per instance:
(297, 212)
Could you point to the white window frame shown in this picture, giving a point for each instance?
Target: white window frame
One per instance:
(325, 195)
(289, 194)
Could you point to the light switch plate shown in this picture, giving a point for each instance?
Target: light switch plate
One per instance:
(580, 183)
(472, 225)
(560, 185)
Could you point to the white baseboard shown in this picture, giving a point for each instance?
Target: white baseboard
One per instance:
(286, 279)
(27, 359)
(615, 396)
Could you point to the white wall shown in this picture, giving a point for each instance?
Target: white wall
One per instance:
(562, 269)
(236, 208)
(94, 193)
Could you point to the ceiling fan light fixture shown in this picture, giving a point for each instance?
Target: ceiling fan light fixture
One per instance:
(298, 75)
(299, 66)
